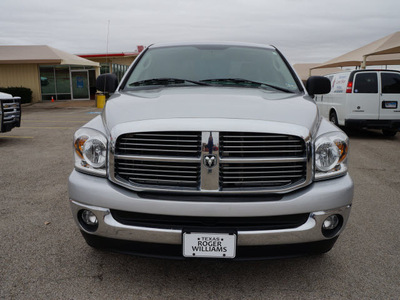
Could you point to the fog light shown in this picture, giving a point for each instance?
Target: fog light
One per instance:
(89, 218)
(332, 225)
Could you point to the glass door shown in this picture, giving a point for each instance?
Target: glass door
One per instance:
(80, 84)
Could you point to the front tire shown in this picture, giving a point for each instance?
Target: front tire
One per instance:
(389, 132)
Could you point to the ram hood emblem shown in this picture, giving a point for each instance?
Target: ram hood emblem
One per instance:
(210, 161)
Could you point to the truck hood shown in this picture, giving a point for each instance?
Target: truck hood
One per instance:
(208, 104)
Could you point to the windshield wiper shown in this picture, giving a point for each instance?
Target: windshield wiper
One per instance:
(165, 81)
(241, 81)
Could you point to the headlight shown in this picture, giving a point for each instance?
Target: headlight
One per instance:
(90, 151)
(331, 155)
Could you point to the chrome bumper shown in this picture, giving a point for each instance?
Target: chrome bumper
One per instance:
(319, 200)
(308, 232)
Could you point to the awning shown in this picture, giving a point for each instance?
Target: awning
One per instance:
(385, 51)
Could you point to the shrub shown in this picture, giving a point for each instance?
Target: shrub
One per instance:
(24, 93)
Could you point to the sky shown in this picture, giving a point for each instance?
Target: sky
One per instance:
(304, 30)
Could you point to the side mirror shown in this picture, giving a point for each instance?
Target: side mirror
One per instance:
(318, 85)
(107, 83)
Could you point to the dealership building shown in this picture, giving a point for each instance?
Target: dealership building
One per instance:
(116, 63)
(54, 74)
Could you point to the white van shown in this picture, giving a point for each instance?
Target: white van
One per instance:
(363, 99)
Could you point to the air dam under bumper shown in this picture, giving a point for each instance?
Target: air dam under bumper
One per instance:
(319, 200)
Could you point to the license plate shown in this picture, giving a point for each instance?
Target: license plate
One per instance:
(211, 245)
(390, 104)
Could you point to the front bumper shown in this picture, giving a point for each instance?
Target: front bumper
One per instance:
(319, 200)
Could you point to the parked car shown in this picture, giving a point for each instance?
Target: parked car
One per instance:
(10, 112)
(363, 99)
(212, 151)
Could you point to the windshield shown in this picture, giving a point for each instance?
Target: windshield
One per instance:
(212, 65)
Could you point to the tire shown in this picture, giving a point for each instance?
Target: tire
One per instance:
(333, 118)
(389, 132)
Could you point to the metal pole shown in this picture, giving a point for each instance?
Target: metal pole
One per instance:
(364, 63)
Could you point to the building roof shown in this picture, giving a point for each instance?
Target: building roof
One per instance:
(98, 55)
(33, 54)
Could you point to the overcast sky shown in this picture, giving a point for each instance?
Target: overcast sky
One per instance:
(305, 31)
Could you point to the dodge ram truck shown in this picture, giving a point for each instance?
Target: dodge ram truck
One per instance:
(211, 150)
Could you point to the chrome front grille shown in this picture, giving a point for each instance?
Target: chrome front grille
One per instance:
(244, 175)
(160, 143)
(159, 173)
(241, 162)
(243, 144)
(166, 159)
(10, 113)
(282, 161)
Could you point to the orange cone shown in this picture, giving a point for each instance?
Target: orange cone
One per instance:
(52, 99)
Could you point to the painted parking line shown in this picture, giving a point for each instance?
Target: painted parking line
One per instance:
(80, 111)
(43, 127)
(83, 118)
(16, 137)
(38, 121)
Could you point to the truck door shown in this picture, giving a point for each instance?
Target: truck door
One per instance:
(390, 96)
(364, 102)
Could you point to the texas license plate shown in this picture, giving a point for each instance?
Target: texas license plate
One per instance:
(211, 245)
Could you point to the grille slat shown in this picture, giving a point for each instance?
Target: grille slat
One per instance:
(201, 223)
(155, 150)
(157, 145)
(262, 182)
(262, 142)
(152, 171)
(147, 175)
(160, 181)
(247, 177)
(263, 172)
(263, 146)
(253, 167)
(262, 152)
(253, 136)
(141, 166)
(168, 134)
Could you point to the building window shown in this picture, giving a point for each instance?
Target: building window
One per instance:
(56, 82)
(47, 82)
(104, 68)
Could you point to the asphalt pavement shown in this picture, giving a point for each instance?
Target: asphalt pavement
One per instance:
(43, 255)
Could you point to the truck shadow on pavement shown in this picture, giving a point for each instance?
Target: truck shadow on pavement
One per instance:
(212, 279)
(368, 134)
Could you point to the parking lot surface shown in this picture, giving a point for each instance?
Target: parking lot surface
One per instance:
(43, 255)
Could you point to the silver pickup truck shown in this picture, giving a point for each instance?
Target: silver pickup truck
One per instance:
(10, 112)
(211, 150)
